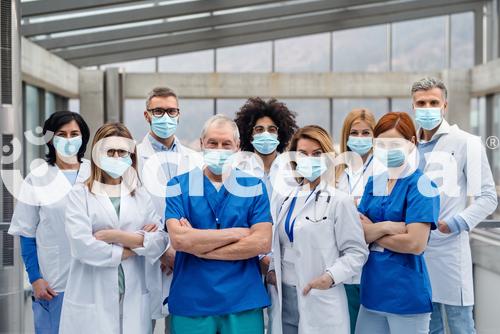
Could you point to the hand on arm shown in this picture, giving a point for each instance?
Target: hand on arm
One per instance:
(413, 242)
(258, 242)
(187, 239)
(127, 239)
(374, 232)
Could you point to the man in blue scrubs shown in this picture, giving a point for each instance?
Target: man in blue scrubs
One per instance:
(219, 224)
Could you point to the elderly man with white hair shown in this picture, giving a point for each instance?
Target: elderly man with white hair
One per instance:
(218, 231)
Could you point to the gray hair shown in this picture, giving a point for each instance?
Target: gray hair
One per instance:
(429, 83)
(219, 120)
(160, 92)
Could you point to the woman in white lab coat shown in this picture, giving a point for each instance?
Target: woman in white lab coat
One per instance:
(356, 147)
(39, 217)
(112, 229)
(318, 244)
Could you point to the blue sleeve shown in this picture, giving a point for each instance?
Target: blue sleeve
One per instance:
(363, 203)
(261, 211)
(422, 208)
(174, 208)
(30, 258)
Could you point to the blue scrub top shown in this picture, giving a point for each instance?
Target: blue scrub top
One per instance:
(394, 282)
(203, 287)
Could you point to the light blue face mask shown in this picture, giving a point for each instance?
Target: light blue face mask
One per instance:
(215, 159)
(311, 167)
(164, 126)
(395, 157)
(67, 147)
(360, 145)
(115, 167)
(265, 143)
(428, 118)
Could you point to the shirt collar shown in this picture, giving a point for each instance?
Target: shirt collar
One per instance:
(443, 129)
(159, 147)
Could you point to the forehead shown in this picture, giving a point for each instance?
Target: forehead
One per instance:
(220, 131)
(431, 94)
(392, 133)
(305, 144)
(360, 124)
(116, 142)
(266, 120)
(70, 126)
(163, 102)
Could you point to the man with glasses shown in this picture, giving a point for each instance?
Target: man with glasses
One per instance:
(161, 157)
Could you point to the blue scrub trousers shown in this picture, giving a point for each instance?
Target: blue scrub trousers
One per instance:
(46, 314)
(459, 319)
(370, 322)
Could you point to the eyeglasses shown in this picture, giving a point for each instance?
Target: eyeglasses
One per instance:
(261, 129)
(159, 112)
(121, 153)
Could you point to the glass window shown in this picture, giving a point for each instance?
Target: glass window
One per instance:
(462, 40)
(202, 61)
(419, 45)
(311, 111)
(194, 114)
(341, 107)
(478, 116)
(137, 66)
(133, 118)
(303, 54)
(74, 105)
(496, 152)
(256, 57)
(402, 105)
(33, 123)
(50, 104)
(361, 50)
(229, 107)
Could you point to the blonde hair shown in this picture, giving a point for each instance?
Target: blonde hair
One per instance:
(360, 114)
(105, 131)
(317, 134)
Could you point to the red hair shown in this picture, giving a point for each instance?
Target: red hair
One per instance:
(398, 120)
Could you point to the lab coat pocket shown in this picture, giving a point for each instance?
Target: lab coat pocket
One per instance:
(48, 258)
(323, 308)
(320, 234)
(79, 318)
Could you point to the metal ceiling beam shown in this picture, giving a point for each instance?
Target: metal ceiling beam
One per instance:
(135, 15)
(332, 21)
(199, 23)
(35, 8)
(271, 35)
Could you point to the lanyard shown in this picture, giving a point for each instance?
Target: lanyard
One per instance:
(289, 227)
(351, 188)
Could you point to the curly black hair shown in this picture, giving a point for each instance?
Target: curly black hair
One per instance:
(256, 108)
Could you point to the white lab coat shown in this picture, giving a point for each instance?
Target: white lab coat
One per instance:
(151, 173)
(448, 256)
(91, 302)
(336, 244)
(45, 222)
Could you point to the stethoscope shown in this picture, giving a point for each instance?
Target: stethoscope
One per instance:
(316, 199)
(289, 225)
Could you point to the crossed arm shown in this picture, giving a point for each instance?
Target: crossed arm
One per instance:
(397, 236)
(224, 244)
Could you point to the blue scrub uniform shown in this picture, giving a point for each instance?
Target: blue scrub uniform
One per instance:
(392, 282)
(203, 287)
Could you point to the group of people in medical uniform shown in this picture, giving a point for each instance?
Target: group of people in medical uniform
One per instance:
(371, 239)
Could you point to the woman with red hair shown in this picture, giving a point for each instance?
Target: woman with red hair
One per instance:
(398, 209)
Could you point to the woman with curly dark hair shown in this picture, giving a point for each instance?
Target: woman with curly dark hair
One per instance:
(265, 128)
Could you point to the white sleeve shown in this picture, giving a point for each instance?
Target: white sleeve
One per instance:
(26, 215)
(84, 246)
(350, 242)
(480, 180)
(155, 244)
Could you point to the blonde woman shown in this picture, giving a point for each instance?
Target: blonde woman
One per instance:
(357, 139)
(318, 244)
(112, 229)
